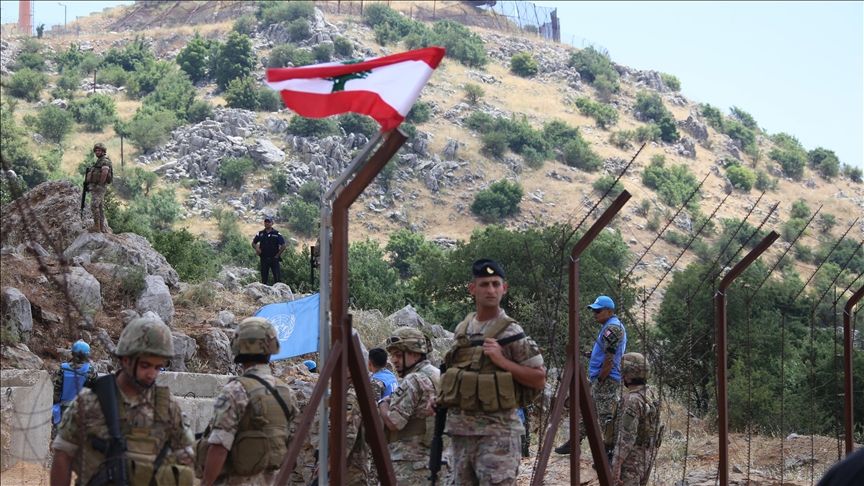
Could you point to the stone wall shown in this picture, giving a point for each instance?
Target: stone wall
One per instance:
(25, 416)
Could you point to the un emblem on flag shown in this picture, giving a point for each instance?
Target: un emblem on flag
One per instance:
(284, 324)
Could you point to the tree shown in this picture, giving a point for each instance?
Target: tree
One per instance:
(242, 93)
(14, 152)
(825, 161)
(233, 59)
(301, 216)
(150, 128)
(233, 171)
(670, 81)
(94, 111)
(54, 123)
(193, 258)
(27, 84)
(649, 107)
(790, 154)
(193, 59)
(343, 47)
(373, 282)
(312, 127)
(745, 118)
(147, 75)
(403, 245)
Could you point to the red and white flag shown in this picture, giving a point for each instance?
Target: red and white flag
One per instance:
(385, 88)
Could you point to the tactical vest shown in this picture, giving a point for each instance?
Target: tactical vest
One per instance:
(422, 426)
(95, 174)
(472, 382)
(143, 446)
(648, 433)
(73, 382)
(261, 440)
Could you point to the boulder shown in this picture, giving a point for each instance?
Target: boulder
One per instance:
(20, 357)
(48, 214)
(695, 128)
(84, 292)
(224, 319)
(184, 349)
(216, 349)
(156, 298)
(126, 250)
(231, 277)
(265, 153)
(407, 316)
(16, 312)
(266, 294)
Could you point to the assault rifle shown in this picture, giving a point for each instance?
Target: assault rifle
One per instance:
(84, 191)
(113, 470)
(437, 446)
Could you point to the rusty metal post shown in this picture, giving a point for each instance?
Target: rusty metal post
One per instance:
(574, 376)
(848, 314)
(341, 325)
(720, 323)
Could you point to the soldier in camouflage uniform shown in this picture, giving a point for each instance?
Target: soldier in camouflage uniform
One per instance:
(150, 418)
(492, 369)
(637, 420)
(407, 412)
(99, 175)
(247, 438)
(604, 367)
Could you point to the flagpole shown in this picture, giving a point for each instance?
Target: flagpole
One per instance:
(325, 290)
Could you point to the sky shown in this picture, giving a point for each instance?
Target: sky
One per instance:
(797, 67)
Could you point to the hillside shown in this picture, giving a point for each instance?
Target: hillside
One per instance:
(428, 189)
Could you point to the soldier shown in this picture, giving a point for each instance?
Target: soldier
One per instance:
(248, 434)
(407, 412)
(493, 368)
(383, 380)
(269, 245)
(151, 422)
(98, 176)
(71, 378)
(637, 424)
(604, 367)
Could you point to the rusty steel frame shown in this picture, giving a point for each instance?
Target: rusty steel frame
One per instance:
(848, 312)
(344, 354)
(720, 323)
(578, 384)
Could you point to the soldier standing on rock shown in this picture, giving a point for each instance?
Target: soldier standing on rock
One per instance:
(98, 176)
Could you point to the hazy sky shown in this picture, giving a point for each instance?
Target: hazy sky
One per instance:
(797, 67)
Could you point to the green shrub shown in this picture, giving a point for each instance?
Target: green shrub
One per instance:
(147, 76)
(301, 216)
(670, 81)
(30, 56)
(403, 245)
(113, 75)
(343, 47)
(231, 60)
(53, 123)
(500, 200)
(649, 107)
(825, 161)
(743, 136)
(173, 93)
(853, 173)
(245, 24)
(420, 113)
(312, 127)
(299, 30)
(274, 12)
(199, 111)
(712, 115)
(745, 118)
(827, 222)
(15, 152)
(479, 121)
(494, 144)
(523, 64)
(607, 181)
(741, 177)
(593, 65)
(578, 153)
(194, 58)
(791, 228)
(622, 138)
(70, 58)
(94, 111)
(605, 115)
(27, 84)
(800, 209)
(132, 54)
(279, 182)
(389, 25)
(789, 153)
(233, 245)
(233, 171)
(461, 43)
(242, 93)
(673, 184)
(533, 158)
(473, 93)
(675, 238)
(356, 123)
(288, 55)
(150, 128)
(557, 133)
(765, 182)
(310, 192)
(322, 52)
(193, 258)
(67, 84)
(647, 133)
(269, 100)
(131, 183)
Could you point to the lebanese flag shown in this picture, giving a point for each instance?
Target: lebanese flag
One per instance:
(385, 88)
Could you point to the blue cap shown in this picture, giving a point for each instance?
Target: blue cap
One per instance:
(310, 365)
(603, 302)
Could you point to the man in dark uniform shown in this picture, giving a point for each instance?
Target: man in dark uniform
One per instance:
(269, 245)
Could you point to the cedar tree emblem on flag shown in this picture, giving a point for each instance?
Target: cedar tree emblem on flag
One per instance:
(384, 88)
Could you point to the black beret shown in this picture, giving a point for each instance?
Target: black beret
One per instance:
(487, 268)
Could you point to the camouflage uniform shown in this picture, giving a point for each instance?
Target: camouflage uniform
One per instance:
(634, 425)
(486, 446)
(229, 409)
(413, 399)
(97, 191)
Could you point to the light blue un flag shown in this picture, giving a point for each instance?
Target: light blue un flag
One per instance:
(296, 324)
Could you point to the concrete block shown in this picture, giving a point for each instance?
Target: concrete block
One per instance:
(192, 385)
(198, 411)
(25, 422)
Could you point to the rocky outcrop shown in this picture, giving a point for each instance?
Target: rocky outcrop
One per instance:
(48, 214)
(17, 316)
(156, 298)
(215, 347)
(695, 128)
(185, 348)
(83, 291)
(265, 294)
(125, 250)
(20, 357)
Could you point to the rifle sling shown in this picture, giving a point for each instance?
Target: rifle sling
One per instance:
(275, 395)
(501, 342)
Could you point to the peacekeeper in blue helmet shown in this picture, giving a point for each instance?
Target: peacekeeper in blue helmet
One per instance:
(72, 376)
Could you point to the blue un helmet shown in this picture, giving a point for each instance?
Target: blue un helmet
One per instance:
(310, 365)
(81, 347)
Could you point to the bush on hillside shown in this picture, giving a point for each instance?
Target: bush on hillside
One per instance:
(16, 154)
(247, 94)
(133, 54)
(420, 113)
(343, 47)
(523, 64)
(605, 115)
(233, 171)
(389, 25)
(70, 58)
(494, 144)
(825, 161)
(853, 173)
(279, 182)
(765, 182)
(673, 184)
(595, 66)
(500, 200)
(54, 123)
(791, 228)
(174, 93)
(113, 75)
(741, 177)
(790, 154)
(231, 60)
(30, 56)
(245, 24)
(275, 12)
(194, 58)
(67, 84)
(602, 184)
(310, 191)
(670, 81)
(745, 118)
(557, 133)
(199, 111)
(403, 245)
(299, 30)
(712, 115)
(578, 153)
(479, 121)
(473, 93)
(649, 107)
(301, 216)
(461, 43)
(622, 139)
(147, 76)
(150, 128)
(94, 111)
(743, 136)
(827, 222)
(800, 209)
(26, 84)
(269, 100)
(193, 258)
(322, 52)
(131, 183)
(312, 127)
(289, 55)
(356, 123)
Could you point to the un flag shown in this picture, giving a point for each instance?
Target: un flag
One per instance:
(296, 324)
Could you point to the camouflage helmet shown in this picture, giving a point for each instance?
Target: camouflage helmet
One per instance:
(100, 145)
(145, 335)
(408, 339)
(635, 365)
(255, 335)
